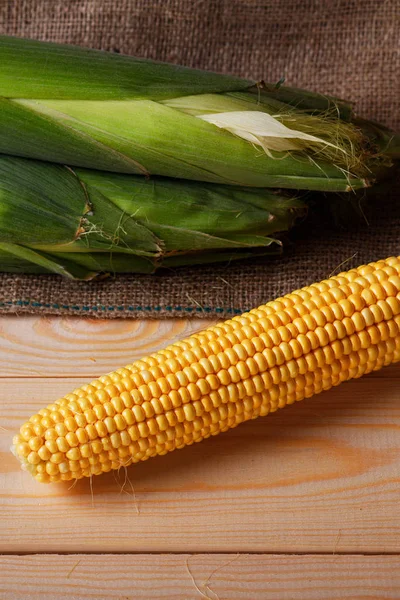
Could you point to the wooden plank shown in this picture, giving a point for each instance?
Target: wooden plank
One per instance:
(40, 346)
(321, 476)
(187, 577)
(34, 346)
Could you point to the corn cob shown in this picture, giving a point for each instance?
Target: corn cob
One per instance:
(117, 113)
(287, 350)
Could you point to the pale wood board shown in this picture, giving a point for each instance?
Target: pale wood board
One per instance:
(319, 476)
(33, 346)
(322, 476)
(192, 577)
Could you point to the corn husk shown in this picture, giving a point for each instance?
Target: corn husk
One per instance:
(82, 223)
(110, 112)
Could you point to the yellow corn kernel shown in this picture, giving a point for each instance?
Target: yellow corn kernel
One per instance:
(277, 354)
(52, 468)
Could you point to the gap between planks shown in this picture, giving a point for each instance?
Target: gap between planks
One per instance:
(195, 553)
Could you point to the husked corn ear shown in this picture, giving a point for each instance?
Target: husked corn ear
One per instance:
(287, 350)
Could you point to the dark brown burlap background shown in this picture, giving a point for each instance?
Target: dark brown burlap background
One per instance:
(350, 48)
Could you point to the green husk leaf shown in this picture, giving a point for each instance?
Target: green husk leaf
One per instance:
(224, 256)
(108, 228)
(188, 215)
(80, 223)
(382, 137)
(88, 266)
(109, 263)
(47, 205)
(301, 99)
(27, 132)
(33, 69)
(161, 141)
(97, 110)
(39, 201)
(45, 262)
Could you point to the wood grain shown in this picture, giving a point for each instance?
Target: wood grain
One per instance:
(322, 475)
(33, 346)
(191, 577)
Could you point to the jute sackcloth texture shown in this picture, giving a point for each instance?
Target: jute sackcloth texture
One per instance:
(349, 48)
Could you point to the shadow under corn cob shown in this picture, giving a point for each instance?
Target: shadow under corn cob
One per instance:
(80, 223)
(117, 113)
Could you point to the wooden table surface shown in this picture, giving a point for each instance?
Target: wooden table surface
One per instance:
(302, 504)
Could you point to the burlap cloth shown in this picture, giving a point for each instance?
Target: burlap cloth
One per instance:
(350, 48)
